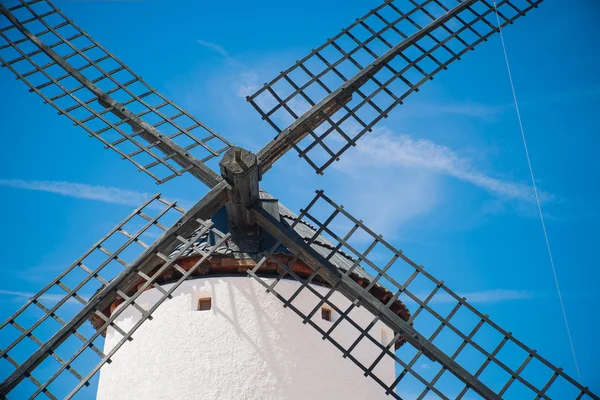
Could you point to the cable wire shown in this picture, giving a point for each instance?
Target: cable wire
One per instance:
(535, 190)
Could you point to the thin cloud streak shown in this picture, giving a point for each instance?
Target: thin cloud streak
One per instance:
(470, 109)
(480, 297)
(105, 194)
(51, 298)
(217, 48)
(382, 148)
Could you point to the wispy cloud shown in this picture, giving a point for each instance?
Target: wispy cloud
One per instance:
(221, 87)
(35, 274)
(246, 83)
(105, 194)
(481, 297)
(231, 60)
(214, 47)
(469, 109)
(382, 148)
(388, 207)
(50, 298)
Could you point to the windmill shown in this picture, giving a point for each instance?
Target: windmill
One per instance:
(334, 96)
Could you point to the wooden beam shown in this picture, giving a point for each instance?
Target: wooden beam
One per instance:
(336, 99)
(196, 167)
(125, 281)
(239, 168)
(299, 129)
(353, 291)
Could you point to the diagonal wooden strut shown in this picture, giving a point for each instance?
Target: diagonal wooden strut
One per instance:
(126, 280)
(354, 291)
(336, 99)
(147, 131)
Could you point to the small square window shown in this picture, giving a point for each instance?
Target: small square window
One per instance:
(326, 314)
(204, 304)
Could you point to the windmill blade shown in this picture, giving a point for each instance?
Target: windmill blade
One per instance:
(467, 354)
(54, 340)
(342, 89)
(83, 81)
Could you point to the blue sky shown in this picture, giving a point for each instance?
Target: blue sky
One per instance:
(456, 197)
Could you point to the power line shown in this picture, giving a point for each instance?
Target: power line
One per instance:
(535, 190)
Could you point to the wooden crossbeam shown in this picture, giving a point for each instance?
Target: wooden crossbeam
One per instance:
(126, 280)
(355, 292)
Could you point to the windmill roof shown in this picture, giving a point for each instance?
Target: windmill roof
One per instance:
(320, 244)
(324, 247)
(228, 259)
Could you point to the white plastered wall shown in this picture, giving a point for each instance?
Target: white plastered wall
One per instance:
(246, 347)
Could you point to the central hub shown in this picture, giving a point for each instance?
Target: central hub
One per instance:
(239, 167)
(237, 161)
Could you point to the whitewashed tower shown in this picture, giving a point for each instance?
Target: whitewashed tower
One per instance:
(222, 336)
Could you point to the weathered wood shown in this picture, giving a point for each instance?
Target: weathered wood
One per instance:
(298, 130)
(148, 132)
(336, 99)
(240, 169)
(353, 291)
(125, 281)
